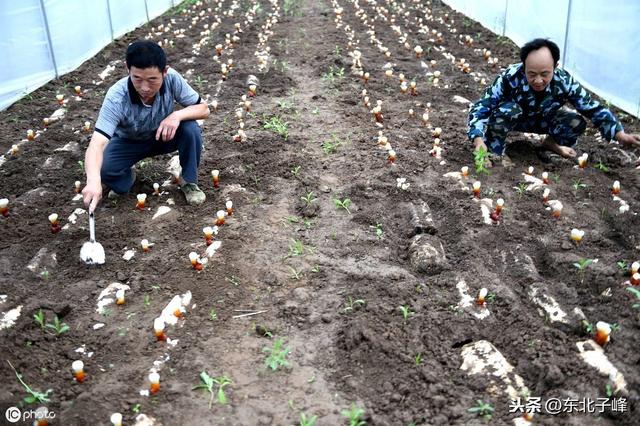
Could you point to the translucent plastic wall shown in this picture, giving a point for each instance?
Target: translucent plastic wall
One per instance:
(43, 39)
(599, 40)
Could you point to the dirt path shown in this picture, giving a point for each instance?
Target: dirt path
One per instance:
(333, 283)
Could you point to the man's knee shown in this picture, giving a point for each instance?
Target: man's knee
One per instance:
(189, 129)
(577, 123)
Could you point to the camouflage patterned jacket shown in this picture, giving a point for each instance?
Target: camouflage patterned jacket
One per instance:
(512, 86)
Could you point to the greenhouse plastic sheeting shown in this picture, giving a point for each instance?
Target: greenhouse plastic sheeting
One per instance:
(598, 40)
(43, 39)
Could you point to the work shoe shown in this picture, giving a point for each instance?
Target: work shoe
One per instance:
(193, 194)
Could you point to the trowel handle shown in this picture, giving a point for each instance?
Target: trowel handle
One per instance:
(92, 228)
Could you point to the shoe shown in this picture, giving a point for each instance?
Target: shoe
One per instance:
(193, 194)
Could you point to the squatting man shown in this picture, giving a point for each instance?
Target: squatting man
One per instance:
(529, 97)
(137, 120)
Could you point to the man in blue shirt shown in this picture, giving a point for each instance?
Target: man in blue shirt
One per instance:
(137, 121)
(529, 97)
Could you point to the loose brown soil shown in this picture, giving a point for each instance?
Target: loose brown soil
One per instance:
(339, 357)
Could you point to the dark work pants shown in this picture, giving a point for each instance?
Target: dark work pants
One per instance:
(563, 126)
(121, 154)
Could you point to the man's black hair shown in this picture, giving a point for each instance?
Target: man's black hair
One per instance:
(146, 54)
(538, 44)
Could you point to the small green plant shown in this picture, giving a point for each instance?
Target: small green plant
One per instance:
(315, 111)
(136, 408)
(277, 355)
(307, 421)
(308, 198)
(208, 383)
(581, 265)
(482, 409)
(418, 359)
(232, 280)
(406, 312)
(57, 326)
(39, 318)
(200, 82)
(355, 415)
(213, 315)
(296, 171)
(295, 274)
(337, 51)
(608, 390)
(480, 157)
(285, 105)
(342, 204)
(636, 293)
(315, 269)
(34, 396)
(45, 274)
(330, 146)
(577, 184)
(147, 301)
(379, 231)
(296, 248)
(602, 167)
(333, 74)
(521, 189)
(352, 305)
(587, 326)
(622, 265)
(275, 124)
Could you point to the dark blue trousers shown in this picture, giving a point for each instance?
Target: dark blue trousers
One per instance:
(121, 154)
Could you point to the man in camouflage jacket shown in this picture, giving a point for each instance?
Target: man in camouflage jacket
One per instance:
(529, 97)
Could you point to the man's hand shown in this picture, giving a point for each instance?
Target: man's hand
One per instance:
(168, 127)
(629, 140)
(91, 195)
(479, 144)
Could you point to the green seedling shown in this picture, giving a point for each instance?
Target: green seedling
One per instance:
(521, 189)
(295, 274)
(275, 124)
(622, 265)
(208, 383)
(600, 166)
(587, 326)
(379, 231)
(418, 359)
(296, 248)
(285, 105)
(213, 315)
(480, 157)
(333, 74)
(352, 305)
(636, 293)
(315, 111)
(147, 301)
(331, 146)
(577, 184)
(307, 421)
(57, 326)
(337, 51)
(308, 198)
(315, 269)
(581, 265)
(296, 171)
(34, 396)
(482, 409)
(232, 280)
(355, 415)
(406, 312)
(45, 274)
(608, 390)
(277, 355)
(342, 204)
(39, 318)
(136, 408)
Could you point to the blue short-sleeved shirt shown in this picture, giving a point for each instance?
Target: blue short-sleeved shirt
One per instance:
(123, 114)
(512, 86)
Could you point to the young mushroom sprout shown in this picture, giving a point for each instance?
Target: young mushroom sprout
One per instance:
(603, 332)
(215, 176)
(582, 160)
(55, 225)
(615, 189)
(78, 371)
(577, 235)
(120, 296)
(158, 329)
(4, 207)
(141, 199)
(476, 189)
(154, 380)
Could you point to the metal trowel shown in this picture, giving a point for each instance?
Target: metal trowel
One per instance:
(92, 252)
